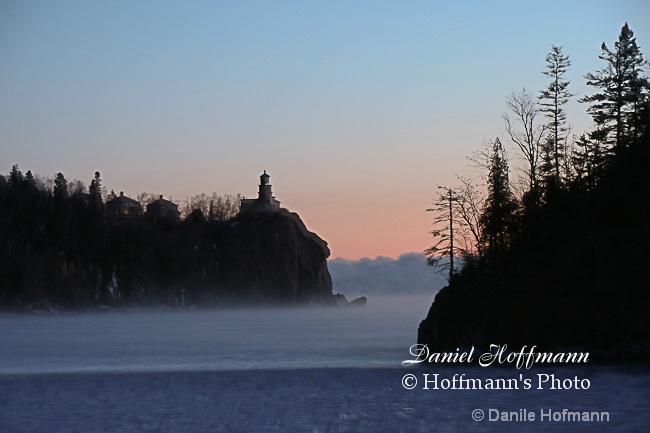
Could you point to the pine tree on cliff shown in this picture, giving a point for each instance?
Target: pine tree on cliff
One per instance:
(497, 218)
(553, 99)
(444, 247)
(619, 107)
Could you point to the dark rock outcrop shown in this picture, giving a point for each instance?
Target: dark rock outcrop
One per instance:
(272, 257)
(359, 302)
(581, 297)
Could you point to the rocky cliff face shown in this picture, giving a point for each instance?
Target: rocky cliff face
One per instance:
(272, 257)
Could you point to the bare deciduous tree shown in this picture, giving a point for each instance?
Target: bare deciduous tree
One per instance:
(225, 206)
(469, 207)
(146, 198)
(214, 206)
(76, 186)
(199, 202)
(524, 131)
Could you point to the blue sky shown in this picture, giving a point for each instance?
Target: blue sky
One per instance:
(356, 109)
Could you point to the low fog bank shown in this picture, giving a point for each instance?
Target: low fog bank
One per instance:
(377, 335)
(407, 274)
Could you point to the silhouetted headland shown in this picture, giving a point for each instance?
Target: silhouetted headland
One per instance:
(63, 250)
(565, 261)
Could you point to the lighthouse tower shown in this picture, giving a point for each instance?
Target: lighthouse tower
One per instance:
(265, 195)
(265, 202)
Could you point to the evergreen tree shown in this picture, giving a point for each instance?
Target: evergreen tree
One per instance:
(444, 246)
(95, 188)
(95, 191)
(553, 99)
(60, 192)
(15, 177)
(589, 160)
(30, 182)
(499, 206)
(619, 106)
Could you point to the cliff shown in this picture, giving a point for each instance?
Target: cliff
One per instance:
(266, 258)
(272, 257)
(592, 294)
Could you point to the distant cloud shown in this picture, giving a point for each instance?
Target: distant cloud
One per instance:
(407, 274)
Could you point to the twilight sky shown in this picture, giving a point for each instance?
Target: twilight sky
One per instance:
(356, 109)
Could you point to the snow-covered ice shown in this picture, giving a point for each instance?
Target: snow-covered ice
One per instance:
(280, 370)
(303, 400)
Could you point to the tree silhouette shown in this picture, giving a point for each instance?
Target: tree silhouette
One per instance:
(553, 99)
(525, 132)
(499, 206)
(15, 177)
(60, 192)
(444, 246)
(619, 108)
(458, 210)
(95, 190)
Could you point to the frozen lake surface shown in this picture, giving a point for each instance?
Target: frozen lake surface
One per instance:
(278, 370)
(378, 335)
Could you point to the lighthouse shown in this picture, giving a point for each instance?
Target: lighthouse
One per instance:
(265, 202)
